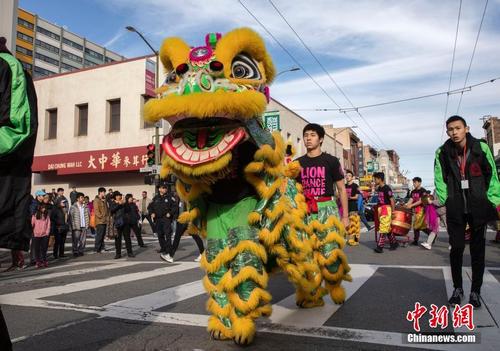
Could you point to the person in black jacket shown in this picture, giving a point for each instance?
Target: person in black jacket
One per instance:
(121, 218)
(59, 219)
(18, 130)
(163, 210)
(134, 219)
(467, 183)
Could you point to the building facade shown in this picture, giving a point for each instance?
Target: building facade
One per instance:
(352, 147)
(8, 12)
(45, 49)
(93, 135)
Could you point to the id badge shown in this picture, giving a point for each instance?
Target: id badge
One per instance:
(465, 184)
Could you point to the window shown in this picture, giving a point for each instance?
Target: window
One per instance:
(72, 57)
(51, 124)
(47, 59)
(47, 47)
(48, 33)
(72, 44)
(24, 51)
(68, 67)
(82, 119)
(89, 63)
(94, 54)
(25, 37)
(114, 115)
(25, 23)
(109, 59)
(145, 124)
(42, 72)
(27, 66)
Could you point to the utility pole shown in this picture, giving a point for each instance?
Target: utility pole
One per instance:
(159, 123)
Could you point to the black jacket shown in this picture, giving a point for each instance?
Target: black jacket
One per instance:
(118, 212)
(58, 219)
(163, 205)
(15, 167)
(483, 194)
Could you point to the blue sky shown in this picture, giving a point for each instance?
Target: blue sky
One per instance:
(376, 50)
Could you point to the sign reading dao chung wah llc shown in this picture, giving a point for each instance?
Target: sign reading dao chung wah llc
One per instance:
(96, 161)
(272, 121)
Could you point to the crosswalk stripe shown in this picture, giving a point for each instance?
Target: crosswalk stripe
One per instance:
(32, 297)
(286, 311)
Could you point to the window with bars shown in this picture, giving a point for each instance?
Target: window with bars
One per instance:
(51, 123)
(48, 33)
(47, 47)
(24, 23)
(114, 115)
(71, 56)
(24, 37)
(82, 119)
(27, 66)
(94, 54)
(72, 44)
(24, 51)
(47, 59)
(42, 72)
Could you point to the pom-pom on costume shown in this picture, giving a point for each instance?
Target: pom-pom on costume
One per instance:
(241, 195)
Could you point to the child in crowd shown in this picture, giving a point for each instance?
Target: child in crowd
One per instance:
(40, 222)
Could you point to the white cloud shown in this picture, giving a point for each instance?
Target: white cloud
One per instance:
(398, 49)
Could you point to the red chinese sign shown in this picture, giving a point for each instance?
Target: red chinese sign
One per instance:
(97, 161)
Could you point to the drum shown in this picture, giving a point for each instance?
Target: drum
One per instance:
(401, 221)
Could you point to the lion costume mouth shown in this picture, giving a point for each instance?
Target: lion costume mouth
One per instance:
(194, 142)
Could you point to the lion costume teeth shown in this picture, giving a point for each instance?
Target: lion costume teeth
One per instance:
(213, 98)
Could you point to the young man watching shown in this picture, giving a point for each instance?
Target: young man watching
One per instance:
(416, 204)
(467, 183)
(353, 194)
(385, 208)
(321, 173)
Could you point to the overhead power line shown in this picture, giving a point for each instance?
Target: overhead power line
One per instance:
(451, 70)
(473, 53)
(325, 70)
(292, 57)
(450, 92)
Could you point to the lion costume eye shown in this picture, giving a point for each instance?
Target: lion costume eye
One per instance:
(244, 67)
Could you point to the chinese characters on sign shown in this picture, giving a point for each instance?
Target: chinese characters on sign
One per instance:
(462, 316)
(97, 161)
(272, 121)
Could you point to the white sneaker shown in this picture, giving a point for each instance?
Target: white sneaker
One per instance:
(167, 257)
(198, 259)
(426, 245)
(155, 235)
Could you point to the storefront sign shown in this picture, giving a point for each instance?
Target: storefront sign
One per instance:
(150, 78)
(272, 121)
(97, 161)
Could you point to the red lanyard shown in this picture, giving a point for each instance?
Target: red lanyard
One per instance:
(462, 163)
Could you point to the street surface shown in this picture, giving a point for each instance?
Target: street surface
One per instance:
(97, 303)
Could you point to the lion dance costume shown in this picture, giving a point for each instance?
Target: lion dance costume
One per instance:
(241, 195)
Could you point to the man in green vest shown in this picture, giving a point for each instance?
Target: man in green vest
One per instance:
(18, 128)
(466, 181)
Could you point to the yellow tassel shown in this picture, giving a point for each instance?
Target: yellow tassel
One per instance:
(215, 327)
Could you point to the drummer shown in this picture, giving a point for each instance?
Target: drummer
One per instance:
(385, 208)
(353, 195)
(415, 203)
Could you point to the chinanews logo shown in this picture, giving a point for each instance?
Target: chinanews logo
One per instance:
(461, 317)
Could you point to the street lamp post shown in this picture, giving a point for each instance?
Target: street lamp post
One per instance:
(293, 69)
(157, 76)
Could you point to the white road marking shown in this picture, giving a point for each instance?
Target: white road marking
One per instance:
(31, 297)
(286, 311)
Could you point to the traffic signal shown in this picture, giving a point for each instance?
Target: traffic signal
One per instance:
(151, 155)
